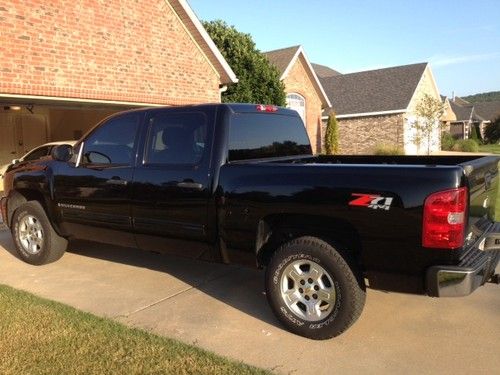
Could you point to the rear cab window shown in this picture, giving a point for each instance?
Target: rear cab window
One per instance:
(264, 135)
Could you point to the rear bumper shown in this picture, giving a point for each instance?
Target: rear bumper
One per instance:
(462, 280)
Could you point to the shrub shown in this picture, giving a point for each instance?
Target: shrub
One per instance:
(466, 145)
(492, 131)
(473, 133)
(384, 149)
(332, 136)
(447, 142)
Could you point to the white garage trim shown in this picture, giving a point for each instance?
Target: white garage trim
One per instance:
(79, 100)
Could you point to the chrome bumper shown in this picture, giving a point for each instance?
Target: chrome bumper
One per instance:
(450, 281)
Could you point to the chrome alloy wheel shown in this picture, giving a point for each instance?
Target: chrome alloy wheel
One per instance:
(308, 290)
(30, 234)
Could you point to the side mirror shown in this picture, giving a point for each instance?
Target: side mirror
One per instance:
(62, 153)
(15, 161)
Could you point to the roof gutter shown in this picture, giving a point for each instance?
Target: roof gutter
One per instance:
(367, 114)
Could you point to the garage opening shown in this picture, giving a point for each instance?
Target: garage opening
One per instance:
(27, 125)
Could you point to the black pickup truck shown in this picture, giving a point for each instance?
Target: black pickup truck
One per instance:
(239, 184)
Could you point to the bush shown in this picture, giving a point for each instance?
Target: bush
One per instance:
(492, 131)
(466, 145)
(384, 149)
(332, 136)
(447, 142)
(473, 133)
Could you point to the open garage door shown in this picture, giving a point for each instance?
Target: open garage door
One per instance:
(24, 126)
(19, 133)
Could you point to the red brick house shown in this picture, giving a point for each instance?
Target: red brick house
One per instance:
(304, 91)
(64, 65)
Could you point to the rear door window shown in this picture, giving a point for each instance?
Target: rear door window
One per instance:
(177, 138)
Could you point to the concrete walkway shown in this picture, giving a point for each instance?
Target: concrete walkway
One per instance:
(223, 309)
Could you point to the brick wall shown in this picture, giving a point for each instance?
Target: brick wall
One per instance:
(109, 49)
(300, 81)
(361, 135)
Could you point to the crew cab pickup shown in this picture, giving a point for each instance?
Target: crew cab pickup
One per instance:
(238, 183)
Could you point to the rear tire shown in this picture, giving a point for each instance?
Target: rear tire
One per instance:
(35, 239)
(313, 290)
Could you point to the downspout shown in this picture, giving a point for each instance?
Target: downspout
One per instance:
(222, 88)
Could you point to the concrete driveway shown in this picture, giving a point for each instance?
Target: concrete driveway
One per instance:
(223, 309)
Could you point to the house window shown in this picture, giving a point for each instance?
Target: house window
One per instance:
(298, 103)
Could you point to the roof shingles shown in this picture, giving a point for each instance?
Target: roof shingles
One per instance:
(282, 57)
(380, 90)
(323, 71)
(488, 110)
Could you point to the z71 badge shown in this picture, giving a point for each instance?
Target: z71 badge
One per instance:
(375, 202)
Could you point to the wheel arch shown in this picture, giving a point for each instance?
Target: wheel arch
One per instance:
(19, 197)
(276, 229)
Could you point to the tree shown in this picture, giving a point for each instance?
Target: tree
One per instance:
(332, 135)
(492, 131)
(259, 80)
(429, 111)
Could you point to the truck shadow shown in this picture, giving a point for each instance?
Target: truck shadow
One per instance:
(239, 287)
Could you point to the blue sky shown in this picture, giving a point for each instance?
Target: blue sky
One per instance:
(461, 39)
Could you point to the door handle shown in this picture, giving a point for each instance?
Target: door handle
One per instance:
(116, 181)
(190, 185)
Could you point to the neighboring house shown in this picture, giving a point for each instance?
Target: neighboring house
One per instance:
(488, 111)
(304, 92)
(378, 107)
(448, 115)
(471, 115)
(64, 65)
(466, 118)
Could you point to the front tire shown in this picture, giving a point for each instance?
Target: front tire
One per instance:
(313, 290)
(35, 239)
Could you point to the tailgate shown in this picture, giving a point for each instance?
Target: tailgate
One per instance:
(483, 179)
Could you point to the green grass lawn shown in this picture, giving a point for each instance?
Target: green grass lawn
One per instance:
(38, 336)
(495, 149)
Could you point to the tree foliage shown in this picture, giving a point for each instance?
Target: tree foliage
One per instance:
(259, 80)
(474, 133)
(483, 97)
(492, 131)
(332, 135)
(429, 111)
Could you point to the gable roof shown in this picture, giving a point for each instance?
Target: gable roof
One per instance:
(458, 100)
(323, 71)
(388, 90)
(463, 112)
(203, 40)
(282, 58)
(285, 58)
(489, 111)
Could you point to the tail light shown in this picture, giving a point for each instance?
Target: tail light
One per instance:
(444, 219)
